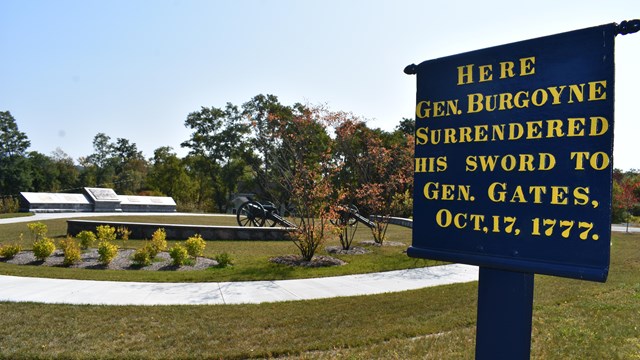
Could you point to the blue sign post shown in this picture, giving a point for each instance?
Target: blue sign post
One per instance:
(513, 170)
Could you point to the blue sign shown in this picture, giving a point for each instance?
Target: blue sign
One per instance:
(513, 156)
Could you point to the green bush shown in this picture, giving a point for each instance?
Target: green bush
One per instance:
(71, 251)
(38, 230)
(195, 245)
(87, 238)
(179, 254)
(9, 205)
(123, 233)
(142, 257)
(224, 260)
(43, 248)
(9, 251)
(106, 233)
(106, 252)
(158, 242)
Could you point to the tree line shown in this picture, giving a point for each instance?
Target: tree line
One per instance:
(261, 147)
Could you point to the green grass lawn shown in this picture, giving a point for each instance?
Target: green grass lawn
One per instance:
(572, 319)
(14, 215)
(250, 258)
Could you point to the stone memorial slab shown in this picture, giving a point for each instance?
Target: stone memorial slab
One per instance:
(54, 202)
(94, 200)
(133, 203)
(104, 200)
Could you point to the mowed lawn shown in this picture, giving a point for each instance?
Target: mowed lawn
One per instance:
(572, 319)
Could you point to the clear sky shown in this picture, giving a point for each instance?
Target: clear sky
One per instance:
(135, 69)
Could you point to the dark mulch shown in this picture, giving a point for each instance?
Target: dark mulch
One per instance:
(384, 243)
(122, 261)
(316, 261)
(354, 250)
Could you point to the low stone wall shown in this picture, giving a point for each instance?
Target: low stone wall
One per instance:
(182, 232)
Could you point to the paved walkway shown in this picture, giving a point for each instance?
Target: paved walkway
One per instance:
(63, 291)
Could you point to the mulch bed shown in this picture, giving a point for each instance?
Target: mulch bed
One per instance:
(384, 243)
(354, 250)
(122, 261)
(317, 261)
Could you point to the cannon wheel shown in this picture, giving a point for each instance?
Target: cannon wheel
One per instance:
(270, 221)
(269, 210)
(251, 213)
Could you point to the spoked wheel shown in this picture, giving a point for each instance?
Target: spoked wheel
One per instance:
(270, 210)
(270, 221)
(251, 213)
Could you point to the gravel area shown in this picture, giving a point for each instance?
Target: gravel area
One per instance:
(354, 250)
(121, 262)
(317, 261)
(384, 243)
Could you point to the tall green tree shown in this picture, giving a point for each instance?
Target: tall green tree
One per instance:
(119, 165)
(218, 134)
(13, 142)
(99, 167)
(15, 173)
(44, 175)
(261, 111)
(130, 167)
(168, 175)
(217, 142)
(407, 126)
(66, 169)
(55, 173)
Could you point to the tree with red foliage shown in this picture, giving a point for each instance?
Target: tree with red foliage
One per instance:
(377, 168)
(626, 193)
(300, 165)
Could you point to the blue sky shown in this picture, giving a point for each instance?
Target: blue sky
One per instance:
(135, 69)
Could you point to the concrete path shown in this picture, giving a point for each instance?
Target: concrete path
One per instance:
(64, 291)
(623, 228)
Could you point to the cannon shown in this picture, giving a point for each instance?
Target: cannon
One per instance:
(253, 213)
(350, 215)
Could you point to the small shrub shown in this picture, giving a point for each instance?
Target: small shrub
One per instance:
(87, 238)
(106, 233)
(123, 233)
(9, 251)
(43, 248)
(195, 245)
(158, 242)
(62, 244)
(106, 252)
(142, 257)
(71, 251)
(179, 255)
(224, 260)
(38, 230)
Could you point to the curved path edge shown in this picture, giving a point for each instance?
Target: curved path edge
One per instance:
(90, 292)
